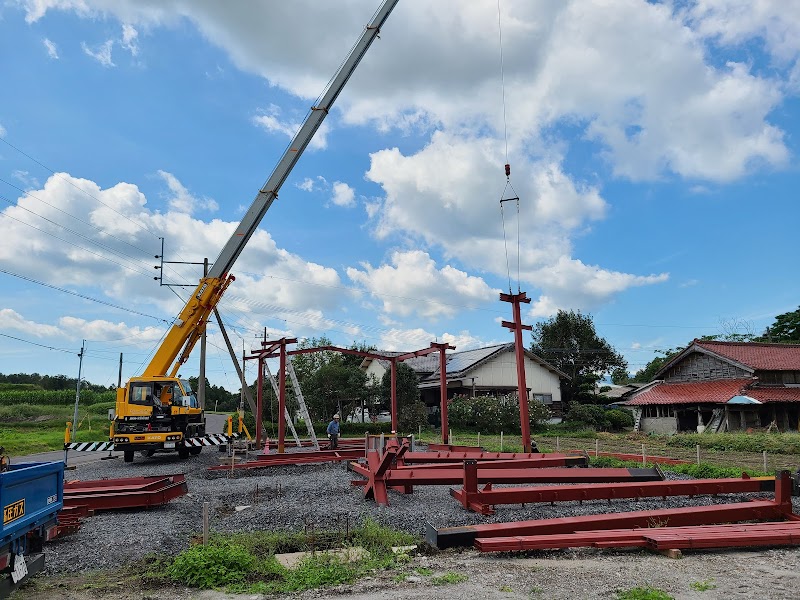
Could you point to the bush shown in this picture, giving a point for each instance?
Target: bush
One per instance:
(216, 565)
(411, 416)
(490, 414)
(619, 419)
(599, 418)
(591, 415)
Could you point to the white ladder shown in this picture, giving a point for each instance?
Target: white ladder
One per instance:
(285, 410)
(302, 403)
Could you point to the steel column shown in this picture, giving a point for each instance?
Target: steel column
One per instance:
(443, 390)
(519, 350)
(260, 402)
(394, 396)
(282, 400)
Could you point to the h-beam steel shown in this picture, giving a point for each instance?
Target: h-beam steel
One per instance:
(483, 500)
(759, 510)
(519, 349)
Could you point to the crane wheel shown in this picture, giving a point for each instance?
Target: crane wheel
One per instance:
(128, 456)
(195, 450)
(148, 453)
(183, 452)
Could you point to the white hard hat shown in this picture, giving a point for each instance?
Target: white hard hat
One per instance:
(336, 416)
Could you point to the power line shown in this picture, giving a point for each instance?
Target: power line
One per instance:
(138, 224)
(30, 195)
(129, 268)
(83, 296)
(37, 344)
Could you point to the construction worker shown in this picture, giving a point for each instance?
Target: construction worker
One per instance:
(333, 433)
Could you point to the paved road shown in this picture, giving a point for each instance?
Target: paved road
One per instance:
(214, 424)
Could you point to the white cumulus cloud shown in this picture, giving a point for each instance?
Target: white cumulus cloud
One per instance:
(414, 274)
(343, 195)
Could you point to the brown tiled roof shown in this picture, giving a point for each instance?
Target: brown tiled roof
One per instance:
(775, 394)
(764, 357)
(701, 392)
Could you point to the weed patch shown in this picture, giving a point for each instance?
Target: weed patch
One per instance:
(703, 586)
(449, 578)
(643, 593)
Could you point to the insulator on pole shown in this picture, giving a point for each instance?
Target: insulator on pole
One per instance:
(508, 170)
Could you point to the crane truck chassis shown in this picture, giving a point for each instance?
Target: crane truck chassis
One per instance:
(157, 416)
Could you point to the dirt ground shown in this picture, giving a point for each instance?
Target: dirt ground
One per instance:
(773, 574)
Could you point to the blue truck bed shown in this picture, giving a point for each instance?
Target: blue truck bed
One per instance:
(31, 495)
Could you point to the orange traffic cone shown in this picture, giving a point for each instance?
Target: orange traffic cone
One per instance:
(266, 447)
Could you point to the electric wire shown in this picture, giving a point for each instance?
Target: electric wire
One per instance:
(83, 296)
(30, 195)
(41, 164)
(72, 231)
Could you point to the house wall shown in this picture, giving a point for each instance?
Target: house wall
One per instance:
(376, 369)
(666, 425)
(501, 371)
(701, 367)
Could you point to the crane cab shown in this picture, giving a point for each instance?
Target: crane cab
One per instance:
(157, 415)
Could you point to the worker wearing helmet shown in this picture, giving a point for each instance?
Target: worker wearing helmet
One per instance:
(333, 433)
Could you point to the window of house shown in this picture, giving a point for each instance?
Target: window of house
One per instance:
(543, 398)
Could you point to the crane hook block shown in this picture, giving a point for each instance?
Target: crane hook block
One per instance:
(508, 170)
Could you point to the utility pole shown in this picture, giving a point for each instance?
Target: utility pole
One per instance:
(201, 382)
(78, 390)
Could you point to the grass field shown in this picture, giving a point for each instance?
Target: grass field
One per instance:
(30, 428)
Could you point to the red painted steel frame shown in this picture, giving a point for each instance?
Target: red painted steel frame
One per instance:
(659, 538)
(133, 492)
(393, 360)
(498, 459)
(380, 475)
(482, 501)
(519, 349)
(264, 461)
(761, 510)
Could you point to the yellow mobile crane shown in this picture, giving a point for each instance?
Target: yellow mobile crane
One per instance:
(158, 411)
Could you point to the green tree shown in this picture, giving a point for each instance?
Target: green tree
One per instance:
(570, 343)
(785, 329)
(409, 406)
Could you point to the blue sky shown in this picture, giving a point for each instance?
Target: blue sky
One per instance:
(653, 147)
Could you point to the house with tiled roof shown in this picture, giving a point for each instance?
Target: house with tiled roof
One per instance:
(485, 371)
(722, 386)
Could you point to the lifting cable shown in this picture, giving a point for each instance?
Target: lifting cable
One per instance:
(515, 197)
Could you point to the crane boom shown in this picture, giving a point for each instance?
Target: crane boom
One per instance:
(189, 325)
(157, 411)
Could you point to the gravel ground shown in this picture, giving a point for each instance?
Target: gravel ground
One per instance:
(318, 496)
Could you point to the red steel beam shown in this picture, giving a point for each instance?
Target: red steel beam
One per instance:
(659, 538)
(295, 458)
(172, 487)
(519, 350)
(760, 510)
(488, 473)
(452, 448)
(482, 501)
(552, 459)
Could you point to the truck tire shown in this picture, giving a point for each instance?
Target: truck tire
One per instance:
(183, 453)
(195, 450)
(148, 453)
(128, 456)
